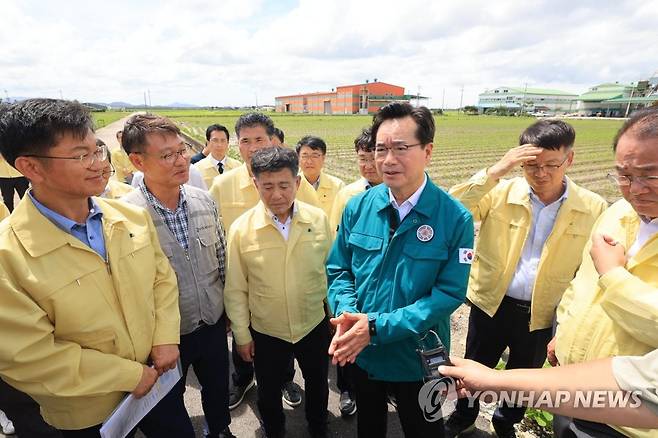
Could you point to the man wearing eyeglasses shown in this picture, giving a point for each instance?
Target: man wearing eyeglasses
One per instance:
(397, 271)
(312, 152)
(533, 229)
(192, 238)
(87, 296)
(611, 306)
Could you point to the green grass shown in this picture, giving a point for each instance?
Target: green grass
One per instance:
(464, 144)
(104, 118)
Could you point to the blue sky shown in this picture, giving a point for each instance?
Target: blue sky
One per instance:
(237, 52)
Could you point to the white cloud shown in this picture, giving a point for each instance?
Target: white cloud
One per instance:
(236, 51)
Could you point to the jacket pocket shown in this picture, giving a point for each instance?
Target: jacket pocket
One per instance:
(485, 274)
(208, 242)
(364, 248)
(103, 340)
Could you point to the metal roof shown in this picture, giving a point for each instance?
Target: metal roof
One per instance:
(523, 90)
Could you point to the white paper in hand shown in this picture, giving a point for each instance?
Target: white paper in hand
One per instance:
(131, 410)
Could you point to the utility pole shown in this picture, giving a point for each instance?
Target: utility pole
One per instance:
(525, 90)
(145, 104)
(443, 100)
(461, 99)
(628, 107)
(7, 96)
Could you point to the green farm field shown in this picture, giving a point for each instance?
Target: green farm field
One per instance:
(464, 144)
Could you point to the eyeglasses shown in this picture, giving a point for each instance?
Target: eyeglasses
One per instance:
(398, 148)
(627, 180)
(307, 157)
(534, 168)
(106, 173)
(86, 160)
(171, 157)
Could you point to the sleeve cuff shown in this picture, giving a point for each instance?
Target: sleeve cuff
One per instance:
(130, 375)
(374, 316)
(613, 277)
(482, 178)
(242, 335)
(167, 333)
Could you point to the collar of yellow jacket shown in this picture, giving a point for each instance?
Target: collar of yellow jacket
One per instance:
(519, 194)
(263, 218)
(244, 179)
(39, 235)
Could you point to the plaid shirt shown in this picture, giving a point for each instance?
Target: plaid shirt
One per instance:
(176, 220)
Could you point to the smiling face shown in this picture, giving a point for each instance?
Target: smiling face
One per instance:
(67, 179)
(158, 170)
(543, 176)
(635, 157)
(311, 162)
(402, 173)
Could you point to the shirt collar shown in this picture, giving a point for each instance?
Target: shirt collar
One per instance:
(63, 222)
(215, 161)
(560, 200)
(413, 199)
(182, 199)
(276, 219)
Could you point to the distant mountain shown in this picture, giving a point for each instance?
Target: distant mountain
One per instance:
(121, 105)
(183, 105)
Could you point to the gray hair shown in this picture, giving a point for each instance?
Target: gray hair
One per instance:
(274, 159)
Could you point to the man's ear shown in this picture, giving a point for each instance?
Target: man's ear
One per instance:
(137, 160)
(298, 181)
(31, 168)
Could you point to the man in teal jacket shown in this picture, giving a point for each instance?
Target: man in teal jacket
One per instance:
(398, 268)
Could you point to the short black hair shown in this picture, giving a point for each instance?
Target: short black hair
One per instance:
(399, 110)
(139, 126)
(216, 127)
(249, 120)
(549, 134)
(280, 135)
(642, 125)
(315, 143)
(274, 159)
(34, 126)
(364, 141)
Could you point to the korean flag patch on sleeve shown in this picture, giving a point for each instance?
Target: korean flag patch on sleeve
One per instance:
(466, 256)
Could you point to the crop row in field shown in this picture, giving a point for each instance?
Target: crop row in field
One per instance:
(463, 144)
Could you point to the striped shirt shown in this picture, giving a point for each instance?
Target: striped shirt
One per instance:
(176, 220)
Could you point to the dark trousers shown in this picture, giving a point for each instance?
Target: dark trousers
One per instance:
(344, 378)
(7, 187)
(206, 350)
(372, 409)
(23, 411)
(167, 419)
(566, 427)
(271, 364)
(244, 371)
(486, 341)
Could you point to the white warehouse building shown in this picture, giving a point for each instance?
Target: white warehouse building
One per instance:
(529, 100)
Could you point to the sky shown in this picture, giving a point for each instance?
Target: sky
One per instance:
(246, 52)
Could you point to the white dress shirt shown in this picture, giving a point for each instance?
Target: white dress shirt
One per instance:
(543, 220)
(648, 228)
(405, 208)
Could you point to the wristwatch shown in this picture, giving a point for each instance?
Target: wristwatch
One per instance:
(372, 327)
